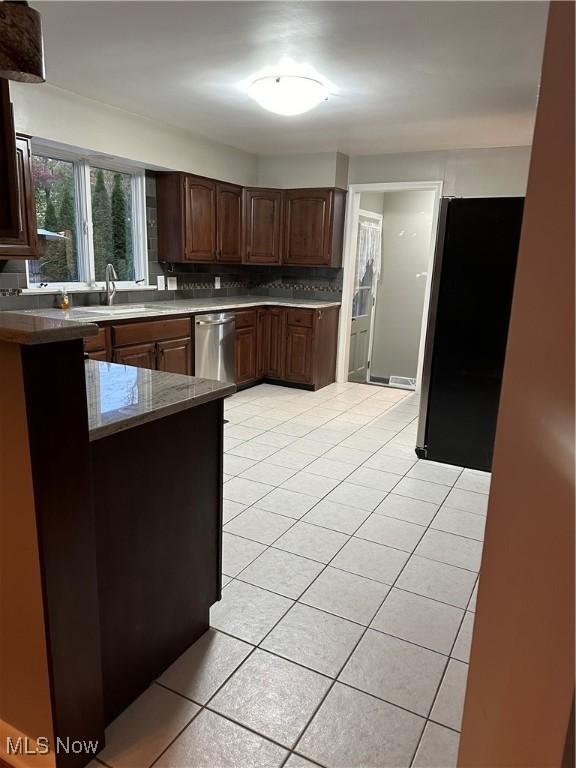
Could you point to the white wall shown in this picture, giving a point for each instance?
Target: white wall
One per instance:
(406, 233)
(321, 169)
(51, 113)
(502, 171)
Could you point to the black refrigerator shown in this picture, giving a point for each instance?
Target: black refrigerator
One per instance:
(470, 302)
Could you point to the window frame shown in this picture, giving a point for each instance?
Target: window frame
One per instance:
(81, 165)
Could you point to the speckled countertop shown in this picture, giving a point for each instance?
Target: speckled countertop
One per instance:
(178, 307)
(121, 396)
(25, 328)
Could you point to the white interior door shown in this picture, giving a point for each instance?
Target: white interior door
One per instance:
(368, 254)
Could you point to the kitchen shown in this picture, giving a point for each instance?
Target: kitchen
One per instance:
(187, 283)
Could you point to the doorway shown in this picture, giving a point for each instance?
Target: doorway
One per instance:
(390, 239)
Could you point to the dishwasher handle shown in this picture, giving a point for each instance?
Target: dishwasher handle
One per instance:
(215, 322)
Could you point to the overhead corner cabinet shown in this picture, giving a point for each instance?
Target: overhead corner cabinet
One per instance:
(206, 221)
(313, 227)
(199, 219)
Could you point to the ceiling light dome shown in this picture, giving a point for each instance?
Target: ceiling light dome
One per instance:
(288, 94)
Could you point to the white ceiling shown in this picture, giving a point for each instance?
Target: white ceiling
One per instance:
(411, 75)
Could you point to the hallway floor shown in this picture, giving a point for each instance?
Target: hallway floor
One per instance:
(344, 631)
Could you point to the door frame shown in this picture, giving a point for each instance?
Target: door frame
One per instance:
(349, 265)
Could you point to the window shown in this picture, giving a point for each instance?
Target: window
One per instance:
(90, 216)
(367, 264)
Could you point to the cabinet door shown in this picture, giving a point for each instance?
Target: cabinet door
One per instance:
(102, 355)
(263, 338)
(9, 203)
(229, 223)
(298, 361)
(262, 226)
(25, 245)
(175, 356)
(139, 355)
(200, 219)
(277, 325)
(307, 226)
(246, 352)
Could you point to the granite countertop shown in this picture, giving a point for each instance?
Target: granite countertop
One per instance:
(121, 396)
(25, 328)
(177, 307)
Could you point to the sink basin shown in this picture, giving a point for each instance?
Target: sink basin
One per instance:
(120, 309)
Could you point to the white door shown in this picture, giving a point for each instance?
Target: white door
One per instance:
(369, 244)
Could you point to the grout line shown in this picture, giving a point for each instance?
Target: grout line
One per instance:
(359, 427)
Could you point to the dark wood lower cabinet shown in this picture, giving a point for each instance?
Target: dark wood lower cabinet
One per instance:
(294, 346)
(175, 356)
(298, 357)
(277, 344)
(139, 355)
(263, 341)
(246, 354)
(101, 355)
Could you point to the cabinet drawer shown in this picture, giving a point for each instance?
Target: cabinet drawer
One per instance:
(302, 317)
(246, 319)
(96, 343)
(156, 330)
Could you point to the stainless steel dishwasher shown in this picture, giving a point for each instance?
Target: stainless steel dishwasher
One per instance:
(214, 346)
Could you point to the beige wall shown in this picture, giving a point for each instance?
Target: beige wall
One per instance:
(322, 169)
(57, 115)
(406, 232)
(501, 171)
(521, 679)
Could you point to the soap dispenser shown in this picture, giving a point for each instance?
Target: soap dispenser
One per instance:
(63, 299)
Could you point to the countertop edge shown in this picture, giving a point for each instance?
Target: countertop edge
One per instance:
(29, 329)
(130, 421)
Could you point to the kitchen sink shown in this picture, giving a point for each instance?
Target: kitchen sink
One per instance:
(120, 309)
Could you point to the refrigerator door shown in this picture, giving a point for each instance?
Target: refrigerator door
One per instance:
(466, 342)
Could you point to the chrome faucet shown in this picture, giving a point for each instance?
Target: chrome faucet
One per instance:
(111, 276)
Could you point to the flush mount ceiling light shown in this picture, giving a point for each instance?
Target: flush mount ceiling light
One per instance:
(288, 88)
(288, 94)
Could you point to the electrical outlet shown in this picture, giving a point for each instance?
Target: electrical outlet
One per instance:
(161, 283)
(172, 284)
(216, 283)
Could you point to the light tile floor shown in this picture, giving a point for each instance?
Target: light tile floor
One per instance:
(351, 569)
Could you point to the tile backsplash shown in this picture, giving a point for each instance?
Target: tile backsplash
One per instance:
(194, 280)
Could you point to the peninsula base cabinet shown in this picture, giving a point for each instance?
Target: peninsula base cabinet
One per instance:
(287, 346)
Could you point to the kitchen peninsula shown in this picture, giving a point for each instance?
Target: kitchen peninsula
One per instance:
(123, 549)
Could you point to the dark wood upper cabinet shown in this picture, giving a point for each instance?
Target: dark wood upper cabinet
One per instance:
(203, 220)
(200, 219)
(9, 198)
(25, 244)
(313, 227)
(229, 223)
(262, 226)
